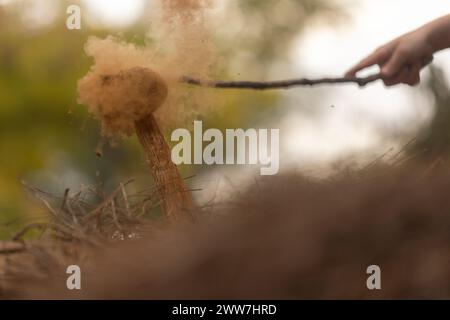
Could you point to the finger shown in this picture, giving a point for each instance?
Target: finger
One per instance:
(414, 74)
(394, 65)
(400, 77)
(427, 60)
(378, 57)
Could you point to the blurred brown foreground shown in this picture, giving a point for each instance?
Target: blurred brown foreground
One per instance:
(286, 237)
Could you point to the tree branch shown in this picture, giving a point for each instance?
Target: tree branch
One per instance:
(282, 84)
(10, 247)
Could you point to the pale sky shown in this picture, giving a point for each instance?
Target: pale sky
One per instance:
(117, 13)
(355, 121)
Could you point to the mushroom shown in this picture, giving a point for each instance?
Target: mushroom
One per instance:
(124, 103)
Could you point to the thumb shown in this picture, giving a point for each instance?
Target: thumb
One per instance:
(394, 65)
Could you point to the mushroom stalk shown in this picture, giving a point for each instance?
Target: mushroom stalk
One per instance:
(175, 198)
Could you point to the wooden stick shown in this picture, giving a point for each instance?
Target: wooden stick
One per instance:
(10, 247)
(282, 84)
(287, 84)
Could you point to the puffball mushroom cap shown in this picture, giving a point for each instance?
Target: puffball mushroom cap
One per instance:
(120, 100)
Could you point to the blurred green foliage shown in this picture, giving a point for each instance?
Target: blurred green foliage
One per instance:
(44, 132)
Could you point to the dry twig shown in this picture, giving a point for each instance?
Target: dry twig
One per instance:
(282, 84)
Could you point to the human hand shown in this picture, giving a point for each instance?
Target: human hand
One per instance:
(400, 60)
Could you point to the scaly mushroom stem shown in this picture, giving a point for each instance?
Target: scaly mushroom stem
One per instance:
(176, 201)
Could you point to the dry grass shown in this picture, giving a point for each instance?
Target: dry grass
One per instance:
(286, 237)
(91, 215)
